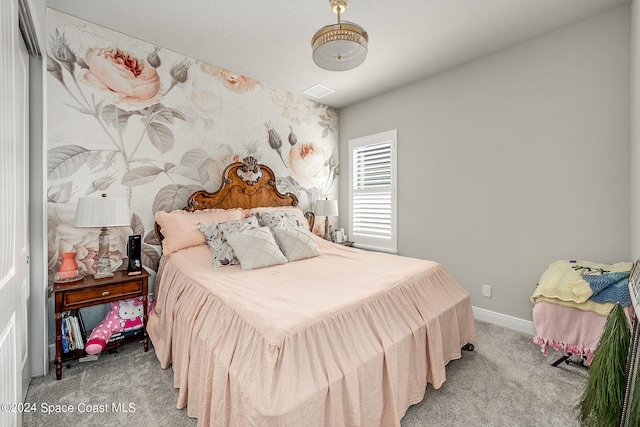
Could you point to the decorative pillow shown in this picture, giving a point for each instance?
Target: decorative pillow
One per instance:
(180, 228)
(248, 212)
(216, 235)
(296, 242)
(256, 248)
(288, 217)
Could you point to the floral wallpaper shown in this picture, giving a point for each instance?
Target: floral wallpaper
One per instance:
(134, 120)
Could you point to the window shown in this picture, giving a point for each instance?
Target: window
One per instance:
(372, 191)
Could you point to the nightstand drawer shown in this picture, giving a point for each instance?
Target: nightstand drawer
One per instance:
(101, 294)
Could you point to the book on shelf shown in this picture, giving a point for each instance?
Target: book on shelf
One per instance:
(68, 333)
(79, 339)
(65, 343)
(125, 334)
(73, 331)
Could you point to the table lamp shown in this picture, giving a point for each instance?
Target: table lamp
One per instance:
(102, 212)
(326, 208)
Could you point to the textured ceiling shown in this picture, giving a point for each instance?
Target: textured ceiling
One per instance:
(270, 40)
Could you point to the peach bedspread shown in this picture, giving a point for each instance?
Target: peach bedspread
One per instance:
(350, 338)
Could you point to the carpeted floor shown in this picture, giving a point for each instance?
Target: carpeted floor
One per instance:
(505, 382)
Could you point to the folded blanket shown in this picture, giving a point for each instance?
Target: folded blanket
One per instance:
(563, 283)
(609, 287)
(592, 306)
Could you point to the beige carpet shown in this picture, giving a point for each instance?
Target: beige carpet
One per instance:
(505, 382)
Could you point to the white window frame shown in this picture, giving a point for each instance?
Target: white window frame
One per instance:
(371, 242)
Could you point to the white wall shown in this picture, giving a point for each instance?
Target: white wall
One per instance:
(514, 160)
(38, 327)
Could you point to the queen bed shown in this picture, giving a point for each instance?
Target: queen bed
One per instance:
(342, 337)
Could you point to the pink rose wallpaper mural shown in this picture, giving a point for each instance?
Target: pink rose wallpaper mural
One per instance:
(134, 120)
(120, 73)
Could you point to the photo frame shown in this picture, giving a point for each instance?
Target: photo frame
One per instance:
(339, 235)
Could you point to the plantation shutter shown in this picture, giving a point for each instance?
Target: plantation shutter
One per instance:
(372, 209)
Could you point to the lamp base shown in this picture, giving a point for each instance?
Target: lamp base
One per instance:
(99, 275)
(103, 268)
(327, 235)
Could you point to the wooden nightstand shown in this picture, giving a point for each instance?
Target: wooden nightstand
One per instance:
(90, 291)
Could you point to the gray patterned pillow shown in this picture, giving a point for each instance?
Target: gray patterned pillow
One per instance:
(296, 242)
(280, 218)
(256, 248)
(216, 235)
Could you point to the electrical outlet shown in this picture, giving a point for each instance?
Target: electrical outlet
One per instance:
(486, 291)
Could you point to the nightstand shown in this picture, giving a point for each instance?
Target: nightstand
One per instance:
(88, 292)
(346, 243)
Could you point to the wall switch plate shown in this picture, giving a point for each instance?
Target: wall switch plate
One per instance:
(486, 291)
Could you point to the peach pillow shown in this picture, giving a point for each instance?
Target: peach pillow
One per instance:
(180, 228)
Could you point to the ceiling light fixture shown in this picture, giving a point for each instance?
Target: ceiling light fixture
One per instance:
(341, 46)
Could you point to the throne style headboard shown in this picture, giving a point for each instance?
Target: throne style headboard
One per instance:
(245, 185)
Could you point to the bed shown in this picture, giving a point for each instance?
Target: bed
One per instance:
(346, 338)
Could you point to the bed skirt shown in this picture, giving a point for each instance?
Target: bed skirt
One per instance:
(363, 367)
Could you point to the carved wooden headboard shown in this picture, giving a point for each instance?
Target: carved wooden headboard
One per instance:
(245, 185)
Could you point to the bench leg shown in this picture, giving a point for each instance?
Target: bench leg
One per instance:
(560, 360)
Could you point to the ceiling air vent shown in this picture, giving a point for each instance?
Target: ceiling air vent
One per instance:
(318, 91)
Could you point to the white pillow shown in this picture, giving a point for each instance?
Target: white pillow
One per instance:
(296, 242)
(256, 248)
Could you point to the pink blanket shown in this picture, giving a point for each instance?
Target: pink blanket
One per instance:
(568, 329)
(347, 338)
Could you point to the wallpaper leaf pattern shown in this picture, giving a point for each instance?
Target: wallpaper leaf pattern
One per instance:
(138, 121)
(62, 162)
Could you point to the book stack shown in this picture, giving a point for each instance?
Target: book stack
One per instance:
(125, 334)
(73, 331)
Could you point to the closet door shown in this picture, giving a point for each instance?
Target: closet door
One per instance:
(14, 251)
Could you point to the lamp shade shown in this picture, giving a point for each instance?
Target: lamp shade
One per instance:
(102, 212)
(340, 47)
(326, 207)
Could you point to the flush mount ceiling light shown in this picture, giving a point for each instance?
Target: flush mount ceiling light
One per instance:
(341, 46)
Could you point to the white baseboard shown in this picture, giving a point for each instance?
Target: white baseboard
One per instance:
(505, 320)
